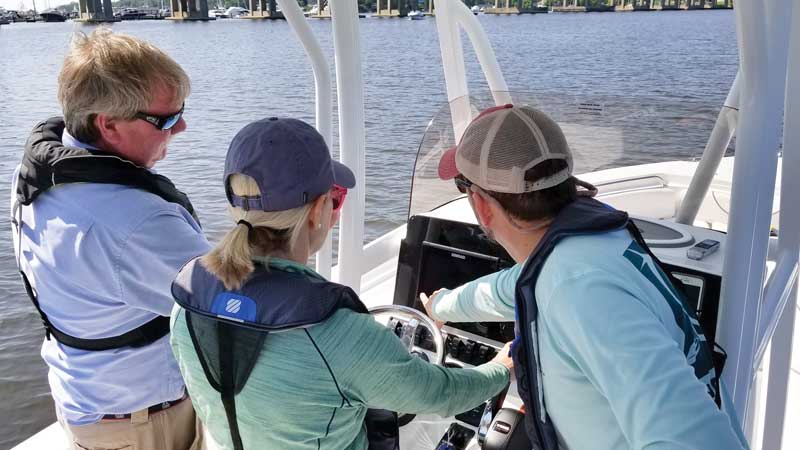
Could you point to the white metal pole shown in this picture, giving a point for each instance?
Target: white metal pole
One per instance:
(788, 243)
(352, 141)
(763, 51)
(721, 136)
(778, 382)
(453, 63)
(484, 52)
(777, 297)
(324, 102)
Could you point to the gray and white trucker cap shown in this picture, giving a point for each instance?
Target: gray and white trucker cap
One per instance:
(504, 142)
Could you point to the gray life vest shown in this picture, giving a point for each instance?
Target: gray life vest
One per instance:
(47, 163)
(228, 330)
(587, 216)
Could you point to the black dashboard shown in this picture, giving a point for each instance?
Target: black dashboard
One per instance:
(439, 253)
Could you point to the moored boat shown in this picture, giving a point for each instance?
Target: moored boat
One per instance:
(52, 15)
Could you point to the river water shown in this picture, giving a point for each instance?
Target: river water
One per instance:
(243, 70)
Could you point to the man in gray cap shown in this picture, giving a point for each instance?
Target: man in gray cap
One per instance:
(608, 354)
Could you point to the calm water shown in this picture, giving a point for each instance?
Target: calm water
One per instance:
(243, 70)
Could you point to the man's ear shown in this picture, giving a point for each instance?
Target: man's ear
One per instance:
(483, 208)
(107, 128)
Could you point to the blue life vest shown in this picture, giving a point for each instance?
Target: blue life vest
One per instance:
(228, 329)
(585, 216)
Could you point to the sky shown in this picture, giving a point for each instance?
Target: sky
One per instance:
(40, 4)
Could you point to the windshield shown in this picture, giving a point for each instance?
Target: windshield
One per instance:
(603, 132)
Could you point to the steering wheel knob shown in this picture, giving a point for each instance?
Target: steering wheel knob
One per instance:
(421, 355)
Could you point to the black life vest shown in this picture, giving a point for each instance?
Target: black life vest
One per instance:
(228, 329)
(587, 216)
(47, 163)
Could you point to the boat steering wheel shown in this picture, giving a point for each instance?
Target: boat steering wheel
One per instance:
(411, 319)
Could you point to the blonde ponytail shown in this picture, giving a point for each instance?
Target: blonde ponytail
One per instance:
(232, 259)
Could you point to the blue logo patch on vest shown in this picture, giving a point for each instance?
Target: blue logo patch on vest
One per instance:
(234, 307)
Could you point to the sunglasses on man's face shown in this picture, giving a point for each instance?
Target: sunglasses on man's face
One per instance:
(462, 184)
(338, 193)
(162, 123)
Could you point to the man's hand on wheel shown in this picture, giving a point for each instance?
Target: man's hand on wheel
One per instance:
(427, 303)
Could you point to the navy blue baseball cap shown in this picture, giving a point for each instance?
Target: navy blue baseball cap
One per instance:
(288, 159)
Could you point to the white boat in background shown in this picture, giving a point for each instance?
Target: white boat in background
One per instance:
(218, 14)
(416, 15)
(235, 12)
(747, 291)
(476, 9)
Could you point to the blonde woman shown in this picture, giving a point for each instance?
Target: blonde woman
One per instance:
(273, 355)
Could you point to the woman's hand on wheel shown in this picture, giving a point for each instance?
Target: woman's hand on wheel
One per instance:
(504, 356)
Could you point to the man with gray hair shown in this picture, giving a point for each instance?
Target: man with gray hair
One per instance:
(99, 238)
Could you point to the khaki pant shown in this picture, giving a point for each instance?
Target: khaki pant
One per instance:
(176, 428)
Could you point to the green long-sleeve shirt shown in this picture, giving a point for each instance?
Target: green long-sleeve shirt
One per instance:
(311, 388)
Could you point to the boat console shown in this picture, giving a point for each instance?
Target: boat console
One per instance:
(439, 252)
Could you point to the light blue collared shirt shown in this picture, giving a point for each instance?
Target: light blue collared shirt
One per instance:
(102, 259)
(613, 368)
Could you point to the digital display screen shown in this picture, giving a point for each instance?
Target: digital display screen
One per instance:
(693, 287)
(448, 267)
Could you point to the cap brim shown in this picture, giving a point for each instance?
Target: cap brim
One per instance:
(343, 176)
(447, 165)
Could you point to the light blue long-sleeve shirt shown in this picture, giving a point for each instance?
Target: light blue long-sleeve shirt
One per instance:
(102, 258)
(614, 373)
